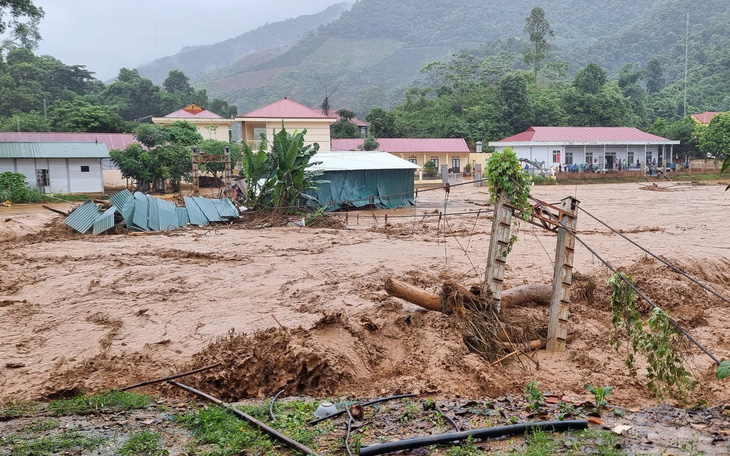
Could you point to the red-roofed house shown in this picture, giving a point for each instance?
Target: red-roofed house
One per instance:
(599, 147)
(295, 116)
(210, 125)
(705, 117)
(449, 151)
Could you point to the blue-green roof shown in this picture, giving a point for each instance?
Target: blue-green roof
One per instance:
(53, 150)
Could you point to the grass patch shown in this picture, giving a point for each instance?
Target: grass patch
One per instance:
(55, 197)
(110, 400)
(143, 443)
(220, 432)
(14, 409)
(41, 426)
(65, 441)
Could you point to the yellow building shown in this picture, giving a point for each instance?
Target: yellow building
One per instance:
(210, 125)
(268, 120)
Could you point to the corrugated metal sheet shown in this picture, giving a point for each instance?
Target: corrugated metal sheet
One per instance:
(104, 221)
(363, 160)
(406, 145)
(52, 150)
(168, 215)
(583, 134)
(286, 109)
(196, 216)
(111, 140)
(225, 207)
(140, 217)
(182, 216)
(153, 215)
(82, 219)
(124, 202)
(208, 209)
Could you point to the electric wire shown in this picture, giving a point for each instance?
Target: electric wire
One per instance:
(670, 265)
(626, 281)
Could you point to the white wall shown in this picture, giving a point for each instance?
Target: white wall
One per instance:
(65, 174)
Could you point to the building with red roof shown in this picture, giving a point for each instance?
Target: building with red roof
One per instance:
(705, 117)
(598, 147)
(294, 116)
(210, 125)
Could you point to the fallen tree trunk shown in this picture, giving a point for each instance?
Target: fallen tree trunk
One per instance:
(521, 294)
(57, 211)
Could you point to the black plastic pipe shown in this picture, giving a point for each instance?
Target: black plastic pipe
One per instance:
(485, 433)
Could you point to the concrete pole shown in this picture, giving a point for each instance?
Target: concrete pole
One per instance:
(196, 173)
(498, 245)
(444, 174)
(562, 278)
(227, 173)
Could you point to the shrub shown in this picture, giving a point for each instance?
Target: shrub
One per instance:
(13, 187)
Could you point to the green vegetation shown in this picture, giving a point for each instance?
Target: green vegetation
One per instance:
(14, 188)
(40, 426)
(13, 409)
(535, 396)
(666, 372)
(50, 444)
(599, 395)
(277, 179)
(142, 443)
(108, 401)
(218, 431)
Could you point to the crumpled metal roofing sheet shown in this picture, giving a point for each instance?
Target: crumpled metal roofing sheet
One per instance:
(83, 217)
(140, 218)
(196, 216)
(182, 216)
(208, 208)
(167, 215)
(225, 207)
(104, 221)
(153, 215)
(124, 202)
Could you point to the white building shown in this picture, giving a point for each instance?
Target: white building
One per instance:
(598, 147)
(56, 167)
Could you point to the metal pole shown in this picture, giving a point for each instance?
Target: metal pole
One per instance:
(562, 278)
(227, 172)
(196, 173)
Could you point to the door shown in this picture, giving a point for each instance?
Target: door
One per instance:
(610, 159)
(455, 165)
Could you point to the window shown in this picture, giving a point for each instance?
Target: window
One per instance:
(413, 159)
(257, 132)
(84, 168)
(556, 156)
(589, 158)
(455, 165)
(435, 161)
(41, 178)
(648, 156)
(569, 158)
(630, 158)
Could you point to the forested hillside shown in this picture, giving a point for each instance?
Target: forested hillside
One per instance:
(197, 60)
(375, 51)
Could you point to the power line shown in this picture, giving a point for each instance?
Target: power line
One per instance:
(626, 281)
(674, 268)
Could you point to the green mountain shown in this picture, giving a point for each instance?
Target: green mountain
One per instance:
(375, 50)
(269, 39)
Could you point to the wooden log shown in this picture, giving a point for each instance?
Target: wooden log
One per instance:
(531, 292)
(57, 211)
(402, 290)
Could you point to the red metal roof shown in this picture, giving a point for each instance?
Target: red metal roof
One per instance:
(706, 116)
(582, 134)
(407, 145)
(111, 140)
(194, 111)
(287, 109)
(355, 120)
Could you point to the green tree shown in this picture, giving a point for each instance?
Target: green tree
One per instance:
(344, 127)
(222, 108)
(17, 9)
(590, 79)
(370, 143)
(430, 168)
(177, 82)
(81, 116)
(517, 113)
(211, 146)
(32, 121)
(382, 123)
(715, 139)
(654, 76)
(539, 31)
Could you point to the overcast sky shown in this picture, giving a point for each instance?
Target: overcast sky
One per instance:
(106, 35)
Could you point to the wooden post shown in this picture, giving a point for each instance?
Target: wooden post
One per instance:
(196, 173)
(498, 245)
(227, 173)
(563, 277)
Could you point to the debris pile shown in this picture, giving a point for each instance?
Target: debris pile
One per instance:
(140, 212)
